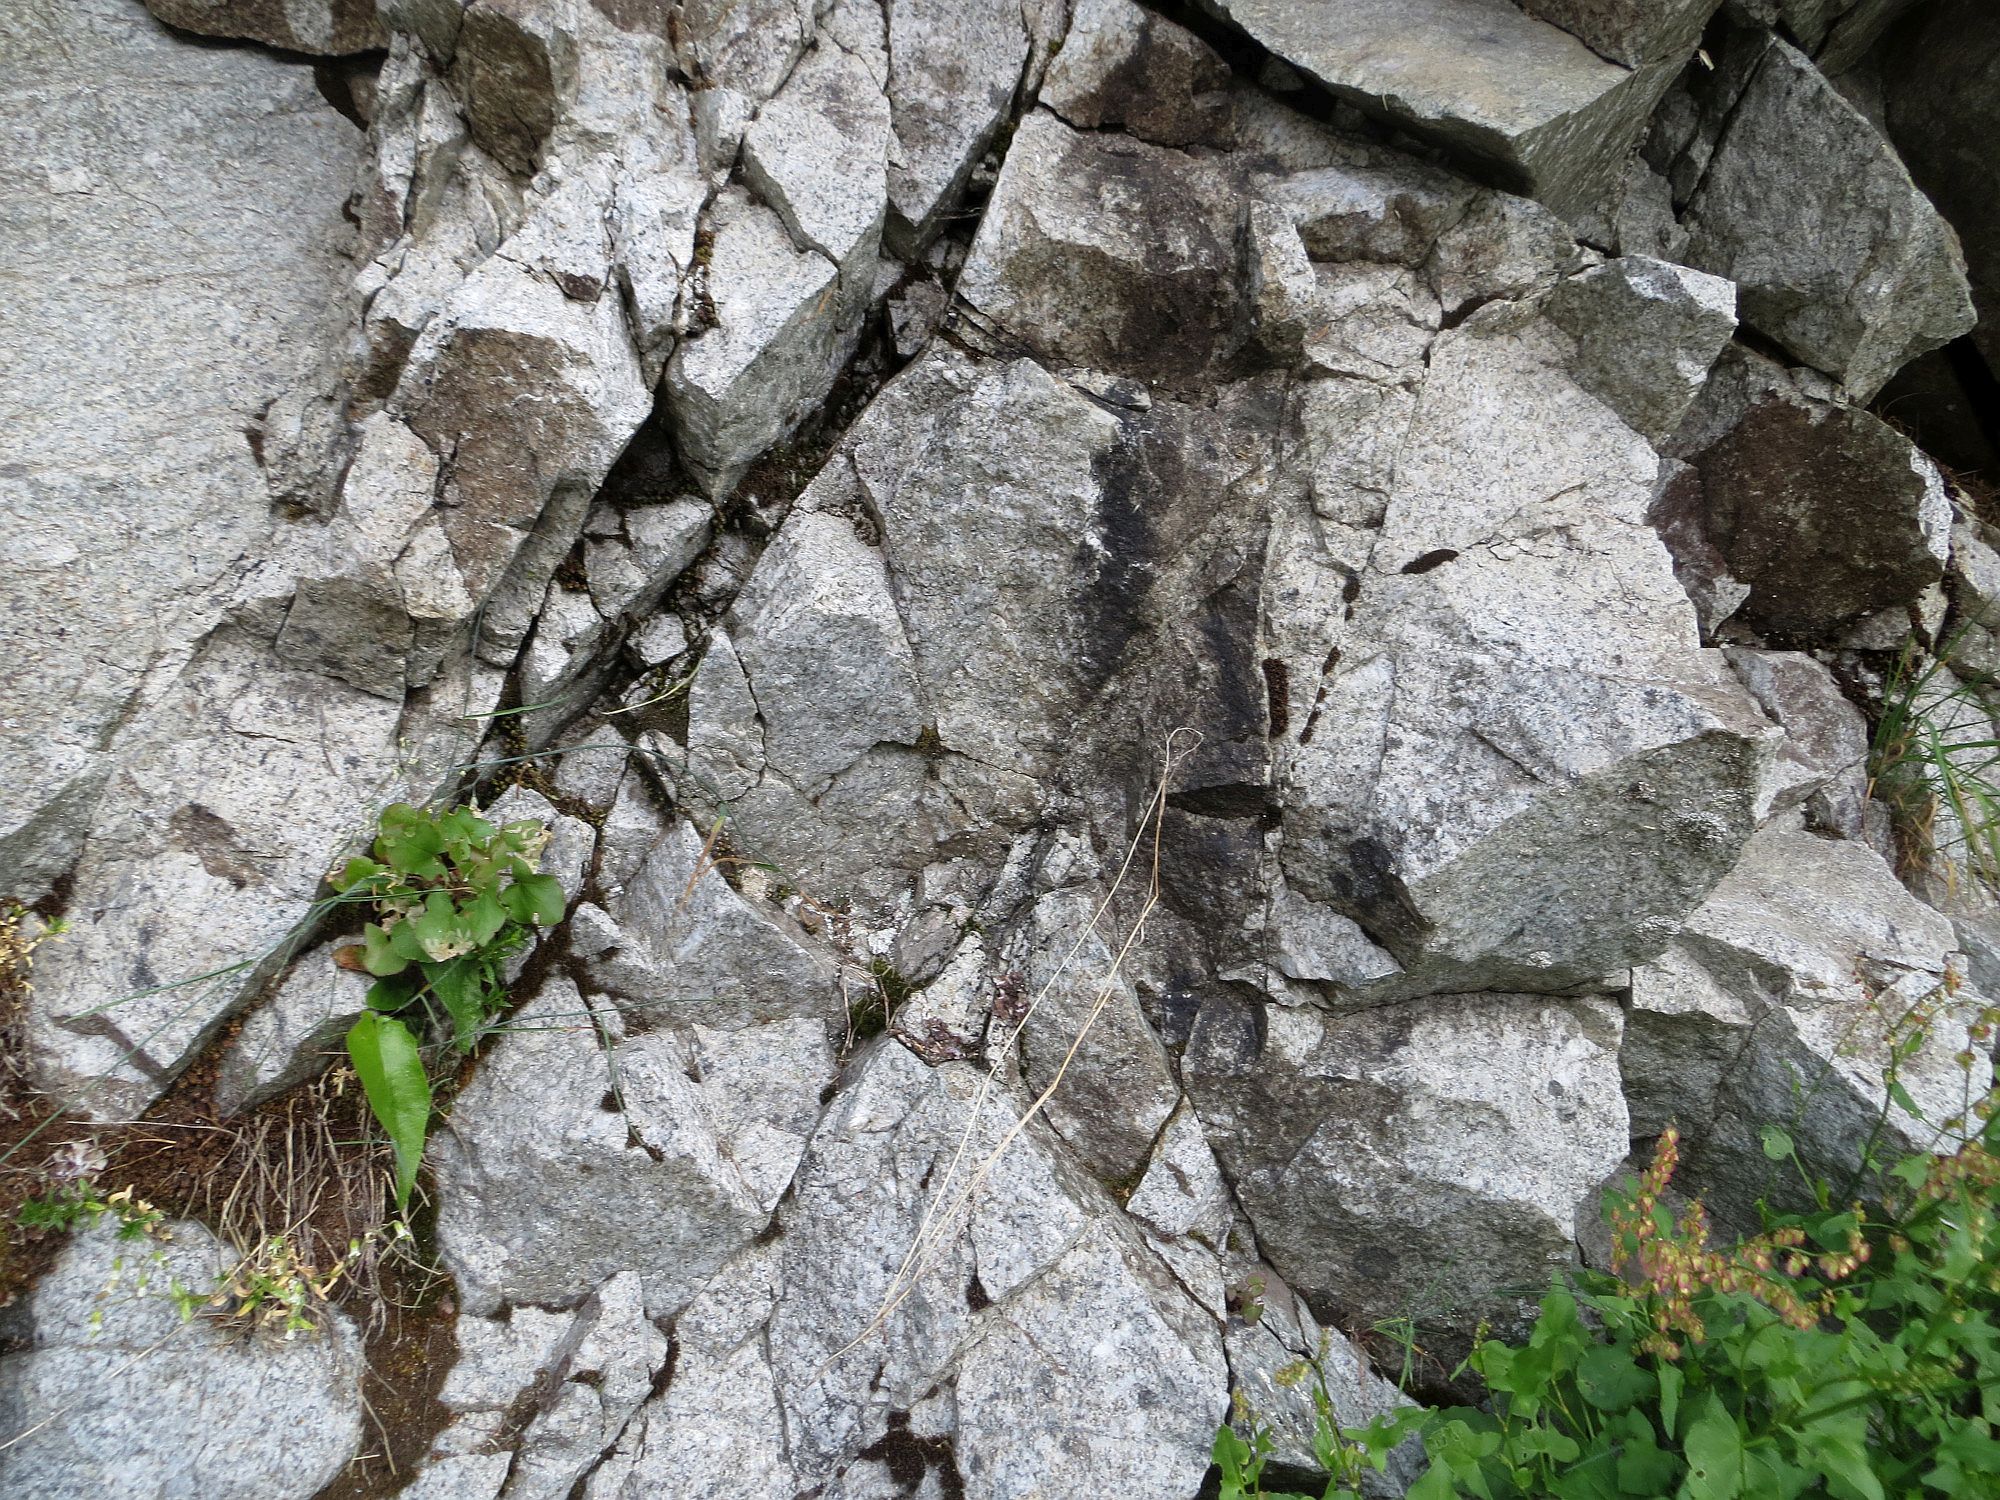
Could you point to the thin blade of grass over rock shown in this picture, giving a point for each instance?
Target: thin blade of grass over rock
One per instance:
(1935, 763)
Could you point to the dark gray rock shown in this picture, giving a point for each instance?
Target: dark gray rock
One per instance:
(331, 28)
(1835, 253)
(1941, 88)
(1824, 512)
(1415, 1160)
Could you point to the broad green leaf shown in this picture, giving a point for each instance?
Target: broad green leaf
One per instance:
(404, 942)
(1558, 1325)
(392, 994)
(1714, 1449)
(522, 834)
(485, 916)
(1611, 1380)
(460, 985)
(355, 871)
(1849, 1474)
(1831, 1231)
(1777, 1142)
(379, 955)
(1537, 1441)
(1911, 1171)
(392, 1076)
(1436, 1484)
(464, 826)
(537, 899)
(1230, 1453)
(1646, 1469)
(442, 931)
(1670, 1396)
(1592, 1478)
(410, 842)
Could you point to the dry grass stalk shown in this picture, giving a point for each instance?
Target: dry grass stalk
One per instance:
(953, 1196)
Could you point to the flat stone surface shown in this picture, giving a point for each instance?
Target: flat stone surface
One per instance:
(1835, 253)
(114, 1392)
(124, 446)
(1477, 75)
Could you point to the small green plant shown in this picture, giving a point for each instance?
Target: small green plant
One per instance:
(21, 933)
(1848, 1353)
(273, 1293)
(454, 898)
(1935, 763)
(1344, 1454)
(79, 1205)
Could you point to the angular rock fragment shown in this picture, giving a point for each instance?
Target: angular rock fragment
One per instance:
(1482, 78)
(687, 947)
(1135, 1425)
(559, 1385)
(818, 154)
(617, 1355)
(293, 1035)
(1125, 66)
(332, 28)
(113, 1391)
(1116, 1087)
(1824, 762)
(1835, 253)
(1840, 33)
(721, 1394)
(823, 649)
(508, 62)
(1425, 1160)
(229, 274)
(774, 347)
(1629, 31)
(1265, 1355)
(1824, 512)
(1501, 538)
(514, 473)
(1070, 1301)
(41, 837)
(232, 798)
(1107, 252)
(1779, 1004)
(954, 66)
(697, 1164)
(1647, 334)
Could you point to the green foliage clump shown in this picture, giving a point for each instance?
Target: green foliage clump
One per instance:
(1345, 1454)
(454, 898)
(1851, 1353)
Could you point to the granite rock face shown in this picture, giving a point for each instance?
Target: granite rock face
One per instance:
(1185, 679)
(110, 1388)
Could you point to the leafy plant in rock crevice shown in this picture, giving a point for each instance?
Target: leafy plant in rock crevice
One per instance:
(454, 898)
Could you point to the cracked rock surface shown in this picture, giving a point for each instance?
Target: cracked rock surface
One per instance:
(1191, 667)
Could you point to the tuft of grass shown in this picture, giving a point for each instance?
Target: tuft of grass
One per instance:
(1934, 762)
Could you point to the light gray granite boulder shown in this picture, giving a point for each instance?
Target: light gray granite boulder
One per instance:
(113, 1390)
